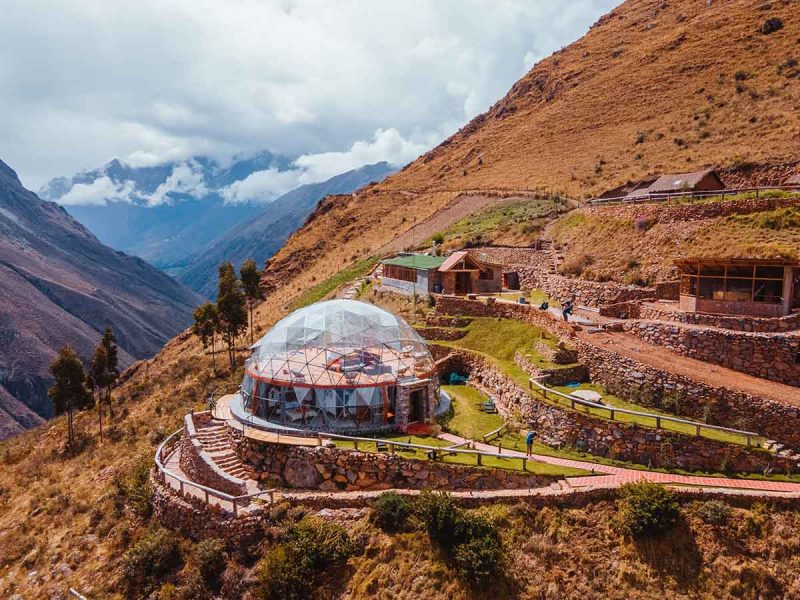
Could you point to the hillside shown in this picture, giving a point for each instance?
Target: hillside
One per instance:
(59, 285)
(579, 112)
(262, 235)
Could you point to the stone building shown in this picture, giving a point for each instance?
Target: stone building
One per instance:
(340, 365)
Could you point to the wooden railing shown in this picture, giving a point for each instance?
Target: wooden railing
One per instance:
(614, 412)
(166, 449)
(495, 432)
(691, 196)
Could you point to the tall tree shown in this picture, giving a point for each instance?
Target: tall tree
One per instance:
(206, 327)
(232, 309)
(109, 342)
(251, 286)
(99, 374)
(68, 392)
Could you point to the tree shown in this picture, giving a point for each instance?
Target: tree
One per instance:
(206, 326)
(109, 342)
(251, 286)
(98, 379)
(68, 392)
(232, 309)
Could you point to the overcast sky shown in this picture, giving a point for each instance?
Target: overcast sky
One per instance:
(340, 82)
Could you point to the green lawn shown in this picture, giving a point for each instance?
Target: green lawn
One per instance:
(534, 297)
(469, 421)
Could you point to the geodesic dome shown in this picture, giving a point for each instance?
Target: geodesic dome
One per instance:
(340, 343)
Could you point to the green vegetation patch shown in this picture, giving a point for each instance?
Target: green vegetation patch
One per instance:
(319, 291)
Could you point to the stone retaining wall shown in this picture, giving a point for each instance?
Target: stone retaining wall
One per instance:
(769, 356)
(200, 468)
(437, 320)
(560, 427)
(680, 213)
(339, 469)
(197, 520)
(622, 310)
(554, 376)
(734, 323)
(452, 305)
(442, 334)
(648, 386)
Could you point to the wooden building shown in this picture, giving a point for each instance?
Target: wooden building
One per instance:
(740, 286)
(676, 183)
(458, 274)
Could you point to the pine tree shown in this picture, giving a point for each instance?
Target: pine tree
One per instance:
(251, 285)
(232, 309)
(109, 342)
(99, 374)
(206, 326)
(68, 392)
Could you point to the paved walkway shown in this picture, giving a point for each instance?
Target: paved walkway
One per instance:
(616, 476)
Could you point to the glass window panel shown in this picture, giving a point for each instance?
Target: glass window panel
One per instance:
(769, 272)
(689, 285)
(739, 290)
(713, 270)
(712, 288)
(740, 271)
(768, 291)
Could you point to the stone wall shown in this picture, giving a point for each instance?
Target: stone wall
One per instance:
(197, 520)
(199, 467)
(554, 376)
(439, 320)
(622, 310)
(561, 427)
(662, 213)
(452, 305)
(769, 356)
(734, 323)
(339, 469)
(668, 290)
(442, 334)
(648, 386)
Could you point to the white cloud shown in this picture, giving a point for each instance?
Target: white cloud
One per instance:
(99, 191)
(186, 178)
(152, 81)
(263, 186)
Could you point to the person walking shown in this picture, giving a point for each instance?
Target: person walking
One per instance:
(566, 309)
(529, 443)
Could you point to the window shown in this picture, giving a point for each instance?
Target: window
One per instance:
(734, 283)
(400, 273)
(769, 291)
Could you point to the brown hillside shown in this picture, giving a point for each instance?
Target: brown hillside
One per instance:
(652, 87)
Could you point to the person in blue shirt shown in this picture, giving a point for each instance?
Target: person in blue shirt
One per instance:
(529, 442)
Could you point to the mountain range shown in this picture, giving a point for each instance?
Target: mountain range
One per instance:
(60, 285)
(260, 237)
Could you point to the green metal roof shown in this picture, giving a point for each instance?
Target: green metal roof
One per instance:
(416, 261)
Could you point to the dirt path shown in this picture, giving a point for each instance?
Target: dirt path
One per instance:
(458, 208)
(659, 357)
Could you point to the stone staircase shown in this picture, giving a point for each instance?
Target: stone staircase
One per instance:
(216, 444)
(547, 245)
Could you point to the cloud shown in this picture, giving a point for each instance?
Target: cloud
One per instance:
(98, 192)
(153, 82)
(264, 186)
(186, 178)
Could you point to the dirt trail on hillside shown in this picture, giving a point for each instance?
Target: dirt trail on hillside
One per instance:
(458, 208)
(665, 360)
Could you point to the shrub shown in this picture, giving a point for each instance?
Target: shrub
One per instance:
(442, 518)
(211, 560)
(479, 558)
(646, 509)
(291, 569)
(153, 556)
(714, 512)
(391, 511)
(437, 238)
(134, 489)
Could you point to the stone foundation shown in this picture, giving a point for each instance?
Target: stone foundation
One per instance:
(200, 468)
(338, 469)
(734, 323)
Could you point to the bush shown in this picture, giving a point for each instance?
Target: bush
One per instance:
(479, 558)
(134, 490)
(291, 569)
(443, 519)
(714, 512)
(153, 556)
(211, 560)
(391, 511)
(646, 509)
